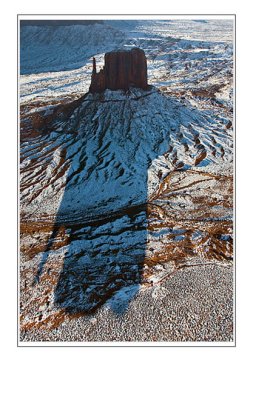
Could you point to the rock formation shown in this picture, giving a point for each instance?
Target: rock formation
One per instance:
(123, 69)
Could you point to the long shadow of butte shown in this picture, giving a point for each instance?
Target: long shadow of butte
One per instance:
(104, 206)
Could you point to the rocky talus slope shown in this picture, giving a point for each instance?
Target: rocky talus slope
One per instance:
(122, 193)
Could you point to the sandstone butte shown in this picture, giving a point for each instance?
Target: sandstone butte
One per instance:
(122, 69)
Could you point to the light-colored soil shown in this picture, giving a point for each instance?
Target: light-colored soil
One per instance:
(192, 305)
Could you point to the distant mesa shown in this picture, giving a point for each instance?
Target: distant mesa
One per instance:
(123, 69)
(58, 22)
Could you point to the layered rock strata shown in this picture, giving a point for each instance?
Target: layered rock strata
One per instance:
(122, 70)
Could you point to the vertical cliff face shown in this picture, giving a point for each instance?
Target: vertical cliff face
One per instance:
(122, 70)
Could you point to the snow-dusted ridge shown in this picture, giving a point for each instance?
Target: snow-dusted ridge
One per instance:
(114, 146)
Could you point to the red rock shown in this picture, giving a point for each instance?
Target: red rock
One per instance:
(123, 69)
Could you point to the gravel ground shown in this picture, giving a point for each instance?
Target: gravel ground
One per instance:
(194, 304)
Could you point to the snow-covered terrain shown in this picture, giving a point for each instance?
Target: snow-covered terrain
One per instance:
(119, 191)
(57, 48)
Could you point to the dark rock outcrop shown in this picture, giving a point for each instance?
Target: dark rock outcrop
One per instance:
(122, 70)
